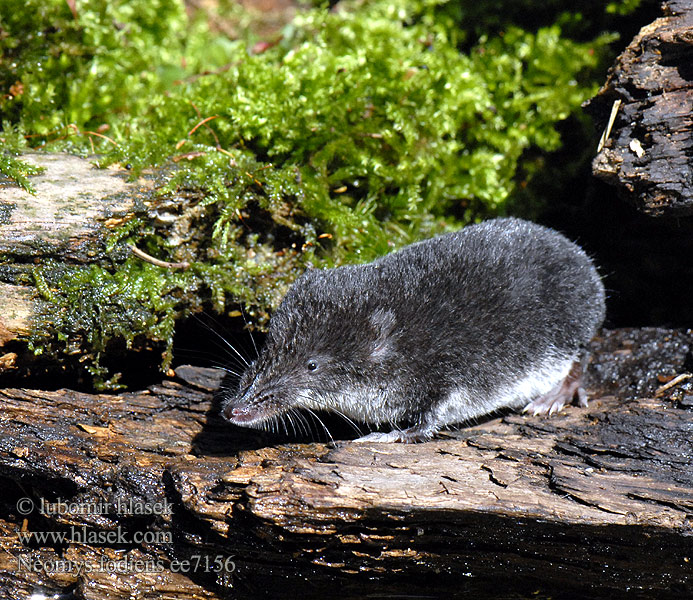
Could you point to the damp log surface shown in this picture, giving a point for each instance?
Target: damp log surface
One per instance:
(648, 154)
(577, 503)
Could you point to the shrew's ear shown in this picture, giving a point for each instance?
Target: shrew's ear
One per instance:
(383, 324)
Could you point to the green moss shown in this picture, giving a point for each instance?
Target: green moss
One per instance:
(354, 133)
(17, 170)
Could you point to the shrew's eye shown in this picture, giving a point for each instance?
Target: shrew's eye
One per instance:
(312, 365)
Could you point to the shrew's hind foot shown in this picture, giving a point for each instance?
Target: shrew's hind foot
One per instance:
(564, 393)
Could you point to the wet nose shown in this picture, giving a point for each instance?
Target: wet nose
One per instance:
(231, 411)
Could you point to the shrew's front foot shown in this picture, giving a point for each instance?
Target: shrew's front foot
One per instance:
(411, 435)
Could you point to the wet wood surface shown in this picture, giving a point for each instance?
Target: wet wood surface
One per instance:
(647, 156)
(595, 501)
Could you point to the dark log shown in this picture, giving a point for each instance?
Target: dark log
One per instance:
(647, 156)
(596, 501)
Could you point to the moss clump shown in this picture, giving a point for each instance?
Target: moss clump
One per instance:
(353, 133)
(11, 165)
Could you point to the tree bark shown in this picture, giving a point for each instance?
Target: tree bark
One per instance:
(594, 501)
(647, 155)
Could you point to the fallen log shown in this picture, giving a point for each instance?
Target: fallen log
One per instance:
(594, 501)
(645, 109)
(82, 296)
(66, 223)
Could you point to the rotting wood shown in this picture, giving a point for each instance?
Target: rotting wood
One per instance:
(648, 153)
(578, 503)
(74, 203)
(75, 285)
(17, 310)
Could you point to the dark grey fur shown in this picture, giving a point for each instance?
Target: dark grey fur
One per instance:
(440, 332)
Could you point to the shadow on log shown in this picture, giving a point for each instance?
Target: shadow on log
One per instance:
(151, 495)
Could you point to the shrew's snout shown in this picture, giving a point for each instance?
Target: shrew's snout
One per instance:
(242, 414)
(247, 411)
